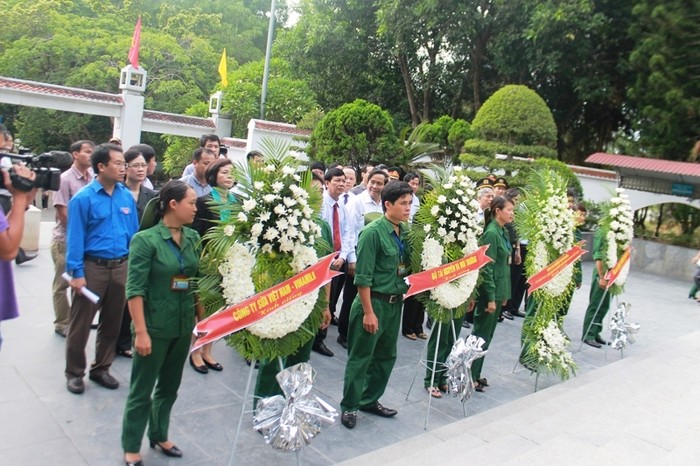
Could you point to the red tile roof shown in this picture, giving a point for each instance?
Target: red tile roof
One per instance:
(640, 163)
(51, 89)
(182, 119)
(281, 128)
(597, 172)
(234, 142)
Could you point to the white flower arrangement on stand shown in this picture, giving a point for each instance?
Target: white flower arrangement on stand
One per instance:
(547, 222)
(268, 238)
(446, 229)
(618, 224)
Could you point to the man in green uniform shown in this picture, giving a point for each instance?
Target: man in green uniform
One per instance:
(593, 322)
(382, 263)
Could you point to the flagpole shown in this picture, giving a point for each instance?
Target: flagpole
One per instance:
(268, 53)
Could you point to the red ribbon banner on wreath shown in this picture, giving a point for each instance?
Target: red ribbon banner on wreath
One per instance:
(548, 273)
(615, 271)
(432, 278)
(265, 303)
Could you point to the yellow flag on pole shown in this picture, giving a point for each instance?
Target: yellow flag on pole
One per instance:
(223, 70)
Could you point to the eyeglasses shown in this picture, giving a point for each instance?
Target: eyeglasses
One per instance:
(119, 164)
(137, 165)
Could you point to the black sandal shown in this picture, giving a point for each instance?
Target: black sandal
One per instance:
(483, 381)
(127, 353)
(479, 387)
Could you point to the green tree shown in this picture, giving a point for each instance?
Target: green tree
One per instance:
(515, 114)
(666, 87)
(288, 99)
(355, 134)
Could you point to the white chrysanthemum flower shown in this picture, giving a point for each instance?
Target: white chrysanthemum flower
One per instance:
(264, 217)
(289, 202)
(270, 198)
(229, 230)
(256, 230)
(279, 209)
(258, 185)
(441, 199)
(435, 210)
(249, 204)
(277, 186)
(242, 217)
(287, 170)
(271, 234)
(269, 168)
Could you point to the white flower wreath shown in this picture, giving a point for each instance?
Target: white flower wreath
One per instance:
(620, 233)
(237, 285)
(454, 294)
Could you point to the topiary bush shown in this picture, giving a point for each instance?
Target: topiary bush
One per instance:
(516, 115)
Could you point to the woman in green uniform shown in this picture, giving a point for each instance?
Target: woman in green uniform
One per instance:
(162, 261)
(494, 290)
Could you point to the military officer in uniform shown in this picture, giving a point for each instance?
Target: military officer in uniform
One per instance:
(382, 263)
(593, 321)
(494, 290)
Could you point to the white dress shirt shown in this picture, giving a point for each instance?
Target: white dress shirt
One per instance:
(363, 204)
(347, 247)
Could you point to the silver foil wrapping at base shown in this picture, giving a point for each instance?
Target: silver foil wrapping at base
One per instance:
(622, 331)
(290, 422)
(459, 364)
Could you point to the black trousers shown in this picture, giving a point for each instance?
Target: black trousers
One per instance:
(518, 283)
(349, 293)
(413, 315)
(336, 287)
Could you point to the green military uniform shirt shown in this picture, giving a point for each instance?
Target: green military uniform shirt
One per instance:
(154, 259)
(496, 275)
(379, 256)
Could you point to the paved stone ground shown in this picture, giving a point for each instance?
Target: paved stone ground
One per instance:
(638, 410)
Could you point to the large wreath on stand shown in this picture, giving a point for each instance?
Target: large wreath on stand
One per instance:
(267, 238)
(545, 219)
(446, 229)
(618, 230)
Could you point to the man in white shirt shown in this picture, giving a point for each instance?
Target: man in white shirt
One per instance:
(413, 179)
(207, 141)
(202, 158)
(367, 202)
(334, 211)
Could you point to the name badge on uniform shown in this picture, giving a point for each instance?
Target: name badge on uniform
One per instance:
(401, 270)
(180, 283)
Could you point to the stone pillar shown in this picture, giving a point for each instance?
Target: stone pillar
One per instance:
(223, 125)
(127, 126)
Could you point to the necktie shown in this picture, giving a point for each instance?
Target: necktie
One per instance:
(336, 228)
(346, 198)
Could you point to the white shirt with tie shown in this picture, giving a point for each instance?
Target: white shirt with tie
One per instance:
(347, 242)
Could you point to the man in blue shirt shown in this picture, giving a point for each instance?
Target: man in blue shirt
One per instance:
(102, 219)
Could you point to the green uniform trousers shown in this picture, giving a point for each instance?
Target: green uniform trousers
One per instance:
(484, 327)
(443, 337)
(266, 383)
(595, 320)
(144, 405)
(371, 357)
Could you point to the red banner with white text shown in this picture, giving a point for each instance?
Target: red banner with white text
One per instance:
(432, 278)
(548, 273)
(615, 271)
(255, 308)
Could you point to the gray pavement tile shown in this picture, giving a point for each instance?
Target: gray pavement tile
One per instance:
(27, 423)
(57, 452)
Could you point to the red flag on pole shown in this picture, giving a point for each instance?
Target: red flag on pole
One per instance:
(135, 43)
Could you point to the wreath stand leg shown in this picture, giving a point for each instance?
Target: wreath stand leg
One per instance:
(594, 316)
(232, 456)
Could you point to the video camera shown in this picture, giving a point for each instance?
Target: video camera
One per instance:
(47, 166)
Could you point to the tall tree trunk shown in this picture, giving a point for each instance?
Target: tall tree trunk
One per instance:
(410, 94)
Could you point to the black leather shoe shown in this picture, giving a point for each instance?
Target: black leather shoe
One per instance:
(321, 348)
(334, 320)
(257, 366)
(173, 451)
(592, 343)
(200, 369)
(134, 463)
(379, 410)
(465, 324)
(348, 419)
(601, 341)
(60, 332)
(23, 257)
(342, 341)
(76, 385)
(213, 366)
(105, 379)
(517, 313)
(507, 315)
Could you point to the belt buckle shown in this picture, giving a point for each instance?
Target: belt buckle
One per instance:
(393, 298)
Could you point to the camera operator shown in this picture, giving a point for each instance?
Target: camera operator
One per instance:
(7, 145)
(11, 228)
